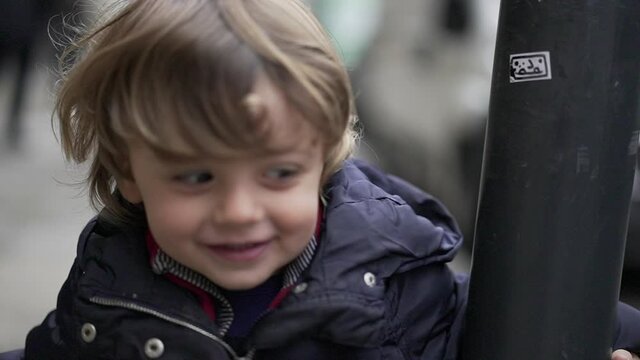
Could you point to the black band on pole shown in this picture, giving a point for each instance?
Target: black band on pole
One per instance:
(557, 174)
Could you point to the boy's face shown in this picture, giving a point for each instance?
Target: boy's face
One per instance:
(236, 220)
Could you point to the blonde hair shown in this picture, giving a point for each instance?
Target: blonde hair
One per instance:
(160, 67)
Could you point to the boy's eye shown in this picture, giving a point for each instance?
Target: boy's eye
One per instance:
(194, 178)
(282, 173)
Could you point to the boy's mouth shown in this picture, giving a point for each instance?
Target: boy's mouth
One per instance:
(239, 252)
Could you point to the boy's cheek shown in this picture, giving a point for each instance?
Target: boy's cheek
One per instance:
(174, 219)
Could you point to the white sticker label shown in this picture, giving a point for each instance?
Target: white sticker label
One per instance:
(529, 66)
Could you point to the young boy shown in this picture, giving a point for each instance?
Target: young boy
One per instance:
(233, 225)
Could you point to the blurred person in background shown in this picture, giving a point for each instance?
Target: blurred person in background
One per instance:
(24, 42)
(423, 94)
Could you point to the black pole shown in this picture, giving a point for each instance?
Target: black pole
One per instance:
(557, 174)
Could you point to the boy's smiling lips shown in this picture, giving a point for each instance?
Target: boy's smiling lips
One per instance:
(239, 251)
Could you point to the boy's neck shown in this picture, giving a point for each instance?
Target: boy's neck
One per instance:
(248, 305)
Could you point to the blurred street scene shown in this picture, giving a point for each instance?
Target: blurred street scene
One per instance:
(421, 72)
(40, 212)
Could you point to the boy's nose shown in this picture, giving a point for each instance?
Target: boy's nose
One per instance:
(237, 206)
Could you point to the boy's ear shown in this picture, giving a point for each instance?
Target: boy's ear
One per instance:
(127, 183)
(129, 190)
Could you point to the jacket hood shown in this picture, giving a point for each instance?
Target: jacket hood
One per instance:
(391, 223)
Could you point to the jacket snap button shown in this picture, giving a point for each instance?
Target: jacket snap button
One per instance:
(300, 288)
(154, 348)
(370, 279)
(88, 332)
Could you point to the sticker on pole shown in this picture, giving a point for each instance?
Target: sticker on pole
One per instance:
(529, 66)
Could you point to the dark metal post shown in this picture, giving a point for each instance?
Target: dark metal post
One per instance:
(557, 175)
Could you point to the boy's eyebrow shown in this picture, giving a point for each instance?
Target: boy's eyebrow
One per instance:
(305, 148)
(172, 157)
(276, 151)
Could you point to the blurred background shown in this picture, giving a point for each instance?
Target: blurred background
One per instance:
(421, 72)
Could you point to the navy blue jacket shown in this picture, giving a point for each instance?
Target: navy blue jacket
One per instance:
(377, 288)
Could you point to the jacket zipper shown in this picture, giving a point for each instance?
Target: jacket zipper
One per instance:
(136, 307)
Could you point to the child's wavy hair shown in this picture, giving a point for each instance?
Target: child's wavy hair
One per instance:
(157, 68)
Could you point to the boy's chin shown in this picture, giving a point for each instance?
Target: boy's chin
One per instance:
(239, 282)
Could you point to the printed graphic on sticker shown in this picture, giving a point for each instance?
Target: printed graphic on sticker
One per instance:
(529, 66)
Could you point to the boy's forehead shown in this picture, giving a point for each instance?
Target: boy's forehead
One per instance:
(277, 125)
(287, 134)
(276, 148)
(268, 126)
(287, 126)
